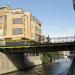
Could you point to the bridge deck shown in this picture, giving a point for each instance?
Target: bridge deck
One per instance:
(31, 46)
(67, 46)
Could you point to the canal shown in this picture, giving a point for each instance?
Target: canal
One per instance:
(59, 67)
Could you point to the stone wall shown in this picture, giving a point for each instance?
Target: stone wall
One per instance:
(13, 62)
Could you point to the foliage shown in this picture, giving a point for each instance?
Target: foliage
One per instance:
(47, 57)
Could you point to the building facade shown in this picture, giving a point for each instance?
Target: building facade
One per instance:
(18, 24)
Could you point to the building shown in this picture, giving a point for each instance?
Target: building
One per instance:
(18, 24)
(36, 33)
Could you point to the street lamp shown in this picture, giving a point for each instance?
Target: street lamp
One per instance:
(48, 39)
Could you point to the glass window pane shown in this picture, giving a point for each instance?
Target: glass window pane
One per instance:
(18, 31)
(18, 21)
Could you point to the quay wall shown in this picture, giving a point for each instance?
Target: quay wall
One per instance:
(14, 62)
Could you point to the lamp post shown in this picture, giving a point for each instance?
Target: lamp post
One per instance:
(48, 38)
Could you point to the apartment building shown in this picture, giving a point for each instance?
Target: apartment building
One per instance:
(36, 32)
(18, 24)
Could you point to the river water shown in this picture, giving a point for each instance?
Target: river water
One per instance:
(60, 67)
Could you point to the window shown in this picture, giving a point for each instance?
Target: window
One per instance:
(37, 54)
(5, 24)
(36, 28)
(39, 30)
(1, 19)
(40, 24)
(18, 21)
(37, 37)
(18, 31)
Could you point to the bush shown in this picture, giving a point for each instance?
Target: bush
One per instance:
(47, 57)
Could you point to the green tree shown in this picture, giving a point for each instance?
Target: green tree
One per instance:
(47, 57)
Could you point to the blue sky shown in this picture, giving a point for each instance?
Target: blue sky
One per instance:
(57, 16)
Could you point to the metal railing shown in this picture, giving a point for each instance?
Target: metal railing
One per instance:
(61, 39)
(32, 43)
(17, 42)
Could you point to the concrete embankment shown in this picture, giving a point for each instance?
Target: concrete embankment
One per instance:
(71, 70)
(14, 62)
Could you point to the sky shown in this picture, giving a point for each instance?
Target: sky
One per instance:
(57, 16)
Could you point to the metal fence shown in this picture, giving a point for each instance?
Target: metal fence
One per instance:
(17, 43)
(29, 42)
(61, 39)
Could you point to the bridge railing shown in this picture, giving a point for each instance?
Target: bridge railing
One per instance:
(17, 43)
(62, 39)
(32, 43)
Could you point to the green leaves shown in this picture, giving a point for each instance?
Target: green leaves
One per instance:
(47, 57)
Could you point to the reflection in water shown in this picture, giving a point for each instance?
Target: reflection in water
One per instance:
(58, 68)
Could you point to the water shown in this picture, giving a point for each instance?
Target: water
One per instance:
(57, 68)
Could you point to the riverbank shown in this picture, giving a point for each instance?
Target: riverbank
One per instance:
(58, 68)
(14, 62)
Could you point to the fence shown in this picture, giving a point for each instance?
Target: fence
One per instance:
(61, 39)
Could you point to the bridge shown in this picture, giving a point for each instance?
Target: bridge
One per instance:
(29, 46)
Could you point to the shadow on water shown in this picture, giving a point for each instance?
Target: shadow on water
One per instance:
(32, 71)
(51, 69)
(39, 70)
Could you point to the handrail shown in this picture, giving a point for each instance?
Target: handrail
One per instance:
(23, 42)
(61, 39)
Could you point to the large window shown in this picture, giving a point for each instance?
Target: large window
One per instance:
(18, 21)
(18, 31)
